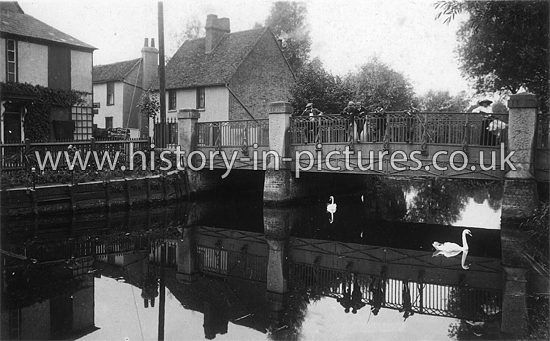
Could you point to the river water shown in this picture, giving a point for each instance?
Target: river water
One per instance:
(357, 266)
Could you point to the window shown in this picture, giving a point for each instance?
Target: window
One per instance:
(83, 119)
(108, 122)
(11, 60)
(172, 103)
(110, 93)
(200, 98)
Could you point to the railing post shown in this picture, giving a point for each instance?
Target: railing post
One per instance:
(27, 149)
(187, 130)
(466, 132)
(424, 144)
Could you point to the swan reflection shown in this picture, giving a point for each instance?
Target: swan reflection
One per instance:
(331, 208)
(448, 249)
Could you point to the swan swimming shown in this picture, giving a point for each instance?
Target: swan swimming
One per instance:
(452, 249)
(331, 208)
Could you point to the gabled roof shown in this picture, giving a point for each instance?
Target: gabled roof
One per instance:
(192, 67)
(15, 21)
(113, 72)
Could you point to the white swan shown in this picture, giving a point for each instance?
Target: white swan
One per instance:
(463, 261)
(331, 208)
(451, 249)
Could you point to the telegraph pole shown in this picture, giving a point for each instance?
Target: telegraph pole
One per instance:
(162, 80)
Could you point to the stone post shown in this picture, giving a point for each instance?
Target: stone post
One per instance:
(521, 134)
(279, 183)
(187, 129)
(185, 253)
(520, 188)
(199, 181)
(279, 126)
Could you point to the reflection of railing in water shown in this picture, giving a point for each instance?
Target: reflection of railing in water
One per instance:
(425, 298)
(434, 128)
(47, 251)
(171, 260)
(232, 263)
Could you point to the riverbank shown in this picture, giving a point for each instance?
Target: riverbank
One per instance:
(94, 194)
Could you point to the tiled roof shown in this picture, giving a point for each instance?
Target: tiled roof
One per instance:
(114, 71)
(11, 6)
(16, 22)
(192, 67)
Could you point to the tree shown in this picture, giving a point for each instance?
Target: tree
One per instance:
(193, 30)
(149, 105)
(287, 21)
(503, 45)
(314, 84)
(378, 86)
(442, 101)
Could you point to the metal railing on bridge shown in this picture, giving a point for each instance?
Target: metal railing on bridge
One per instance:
(233, 133)
(404, 127)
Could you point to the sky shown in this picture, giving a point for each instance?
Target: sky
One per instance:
(404, 34)
(120, 315)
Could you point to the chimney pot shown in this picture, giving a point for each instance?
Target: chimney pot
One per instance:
(215, 29)
(146, 43)
(152, 42)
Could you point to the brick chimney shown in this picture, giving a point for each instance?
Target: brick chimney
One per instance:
(215, 29)
(150, 56)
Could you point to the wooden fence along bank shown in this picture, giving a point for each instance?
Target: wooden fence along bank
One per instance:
(93, 195)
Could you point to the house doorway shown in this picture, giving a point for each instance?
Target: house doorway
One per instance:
(12, 127)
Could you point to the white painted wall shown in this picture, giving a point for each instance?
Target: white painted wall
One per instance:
(216, 103)
(32, 63)
(100, 95)
(81, 71)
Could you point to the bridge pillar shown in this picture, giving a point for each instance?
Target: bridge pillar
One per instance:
(280, 185)
(520, 187)
(277, 182)
(187, 139)
(187, 129)
(185, 253)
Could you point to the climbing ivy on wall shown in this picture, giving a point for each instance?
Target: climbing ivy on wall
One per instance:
(37, 120)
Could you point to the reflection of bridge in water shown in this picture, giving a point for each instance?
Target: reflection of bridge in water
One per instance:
(341, 269)
(323, 268)
(335, 269)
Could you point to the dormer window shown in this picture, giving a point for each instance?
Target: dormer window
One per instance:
(11, 60)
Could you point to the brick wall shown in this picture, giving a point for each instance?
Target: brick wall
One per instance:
(263, 77)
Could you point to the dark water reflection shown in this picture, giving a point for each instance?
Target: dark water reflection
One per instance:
(238, 271)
